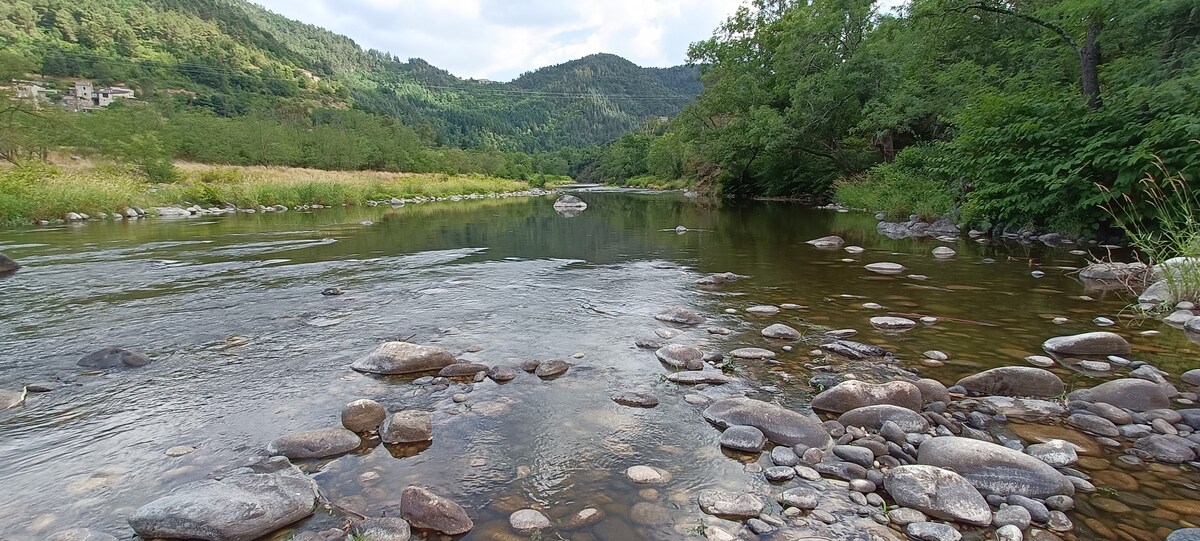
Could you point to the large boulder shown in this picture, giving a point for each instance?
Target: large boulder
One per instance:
(938, 493)
(113, 357)
(7, 265)
(568, 201)
(994, 469)
(239, 507)
(780, 425)
(1014, 381)
(1129, 393)
(428, 511)
(1089, 343)
(391, 358)
(681, 316)
(408, 426)
(852, 394)
(315, 443)
(873, 417)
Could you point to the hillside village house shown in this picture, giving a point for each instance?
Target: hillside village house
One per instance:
(83, 96)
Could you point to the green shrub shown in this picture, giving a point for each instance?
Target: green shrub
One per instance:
(912, 184)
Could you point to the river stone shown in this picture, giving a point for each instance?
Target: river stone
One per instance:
(782, 455)
(1057, 453)
(994, 469)
(363, 415)
(932, 391)
(682, 316)
(570, 202)
(1014, 381)
(781, 331)
(944, 252)
(408, 426)
(764, 310)
(903, 516)
(1093, 424)
(932, 531)
(852, 394)
(757, 354)
(679, 355)
(7, 265)
(383, 529)
(800, 498)
(892, 323)
(239, 507)
(552, 368)
(10, 399)
(1167, 448)
(1191, 377)
(391, 358)
(527, 520)
(873, 417)
(636, 399)
(80, 534)
(743, 438)
(853, 350)
(428, 511)
(938, 493)
(1090, 343)
(1128, 393)
(114, 357)
(831, 241)
(885, 268)
(500, 374)
(462, 370)
(1185, 534)
(1013, 515)
(719, 278)
(729, 504)
(315, 443)
(646, 475)
(781, 426)
(694, 377)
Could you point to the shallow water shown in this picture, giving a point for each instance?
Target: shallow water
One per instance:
(247, 349)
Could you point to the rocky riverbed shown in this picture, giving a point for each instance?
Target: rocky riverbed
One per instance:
(460, 392)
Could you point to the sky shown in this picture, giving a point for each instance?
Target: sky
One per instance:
(501, 39)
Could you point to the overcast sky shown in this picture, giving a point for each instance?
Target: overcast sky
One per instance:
(500, 39)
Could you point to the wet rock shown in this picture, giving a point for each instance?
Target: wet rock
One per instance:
(528, 520)
(238, 507)
(1092, 343)
(552, 368)
(1129, 393)
(585, 517)
(636, 399)
(1057, 453)
(784, 456)
(779, 473)
(874, 417)
(501, 374)
(1014, 381)
(644, 343)
(320, 443)
(885, 268)
(1014, 515)
(1185, 534)
(569, 202)
(408, 426)
(755, 354)
(800, 498)
(1029, 409)
(1167, 448)
(729, 504)
(1191, 377)
(781, 332)
(7, 265)
(932, 531)
(80, 534)
(1116, 273)
(892, 323)
(363, 416)
(854, 350)
(1038, 511)
(858, 455)
(1040, 361)
(994, 469)
(719, 279)
(383, 529)
(179, 450)
(681, 316)
(904, 516)
(781, 426)
(462, 370)
(679, 355)
(854, 394)
(695, 377)
(392, 358)
(743, 438)
(831, 241)
(428, 511)
(1009, 533)
(932, 391)
(647, 475)
(944, 252)
(114, 357)
(763, 310)
(938, 493)
(10, 399)
(1093, 424)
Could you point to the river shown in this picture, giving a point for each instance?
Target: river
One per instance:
(246, 348)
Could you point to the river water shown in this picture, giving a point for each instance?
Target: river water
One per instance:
(246, 349)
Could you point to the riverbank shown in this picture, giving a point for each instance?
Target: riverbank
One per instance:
(44, 193)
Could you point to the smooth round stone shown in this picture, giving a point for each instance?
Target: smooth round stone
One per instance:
(872, 306)
(1095, 366)
(765, 309)
(932, 531)
(743, 438)
(892, 323)
(929, 320)
(885, 268)
(779, 473)
(180, 450)
(753, 353)
(936, 355)
(862, 485)
(1185, 534)
(1040, 361)
(1037, 274)
(646, 475)
(1060, 320)
(528, 520)
(944, 252)
(854, 249)
(783, 455)
(1103, 321)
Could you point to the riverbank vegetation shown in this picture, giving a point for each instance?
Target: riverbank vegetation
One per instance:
(1001, 114)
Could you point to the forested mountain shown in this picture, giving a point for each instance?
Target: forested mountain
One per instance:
(239, 59)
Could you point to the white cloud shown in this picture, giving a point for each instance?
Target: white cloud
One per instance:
(499, 39)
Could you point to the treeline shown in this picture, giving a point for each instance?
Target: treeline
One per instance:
(999, 113)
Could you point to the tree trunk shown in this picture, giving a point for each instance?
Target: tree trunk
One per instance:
(1089, 63)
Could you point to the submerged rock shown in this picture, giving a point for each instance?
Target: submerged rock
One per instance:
(874, 417)
(9, 399)
(939, 493)
(719, 279)
(752, 353)
(408, 426)
(730, 504)
(994, 469)
(636, 399)
(1014, 381)
(320, 443)
(383, 529)
(781, 332)
(743, 438)
(428, 511)
(528, 520)
(831, 241)
(682, 316)
(680, 356)
(7, 265)
(80, 534)
(885, 268)
(853, 394)
(392, 358)
(782, 426)
(695, 377)
(1090, 343)
(854, 350)
(239, 507)
(114, 357)
(892, 323)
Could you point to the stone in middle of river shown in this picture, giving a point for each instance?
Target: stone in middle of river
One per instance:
(781, 426)
(679, 355)
(392, 358)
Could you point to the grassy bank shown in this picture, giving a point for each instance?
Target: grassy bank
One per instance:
(45, 192)
(656, 183)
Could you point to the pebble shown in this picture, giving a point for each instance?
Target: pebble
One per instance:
(1103, 321)
(936, 355)
(1060, 320)
(1037, 274)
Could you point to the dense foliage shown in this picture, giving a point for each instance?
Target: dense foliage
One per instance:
(238, 59)
(1009, 113)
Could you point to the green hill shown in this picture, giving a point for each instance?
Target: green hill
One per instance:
(238, 58)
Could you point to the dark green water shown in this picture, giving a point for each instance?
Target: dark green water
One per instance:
(246, 349)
